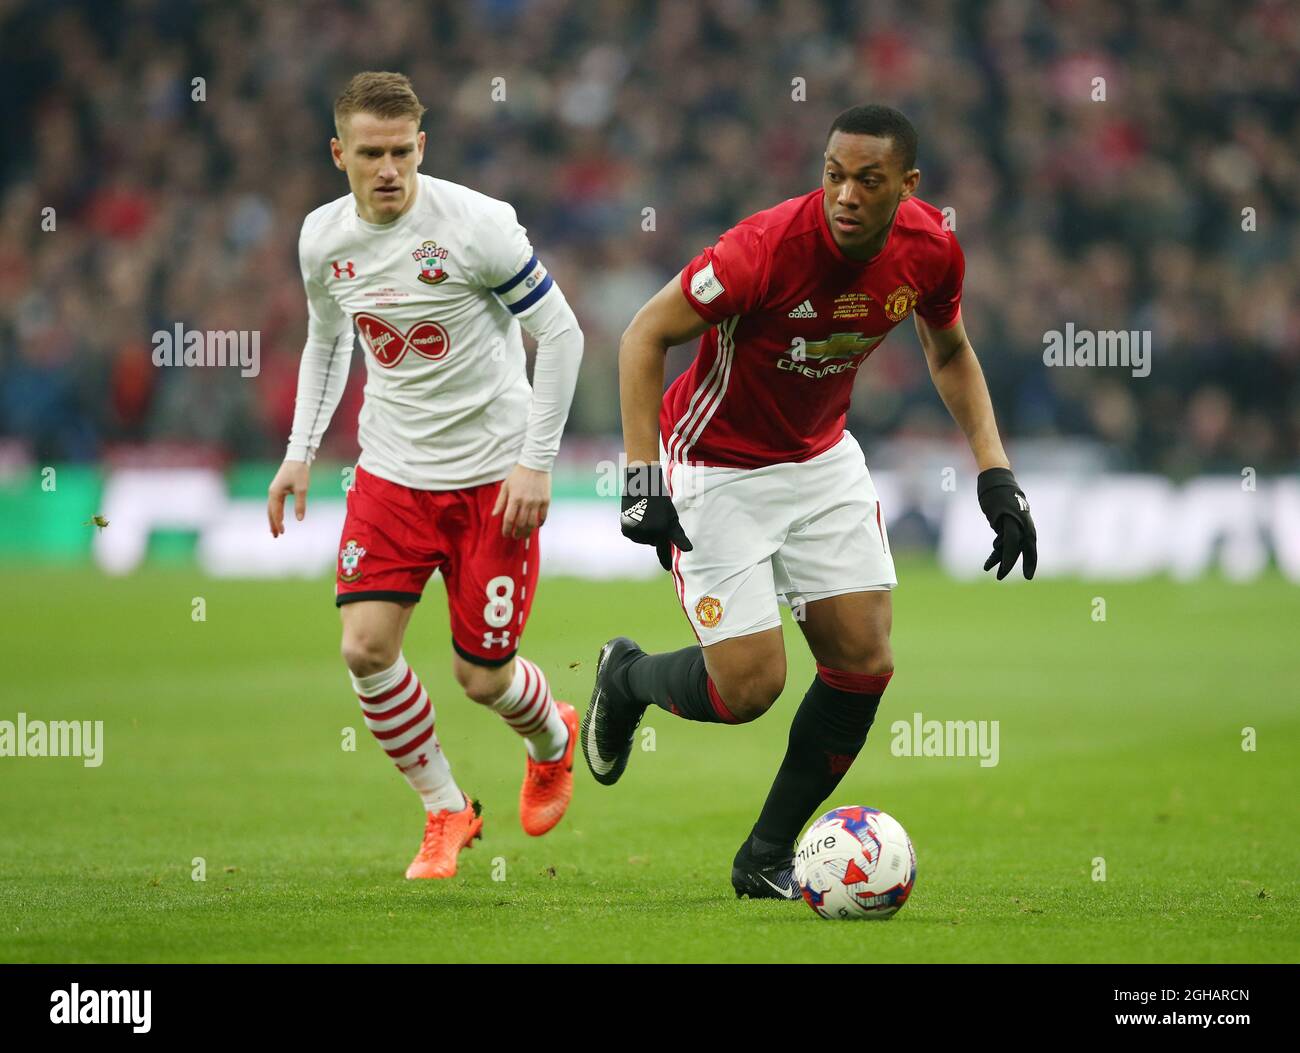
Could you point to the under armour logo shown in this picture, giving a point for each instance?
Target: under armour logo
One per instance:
(420, 762)
(489, 640)
(637, 512)
(348, 270)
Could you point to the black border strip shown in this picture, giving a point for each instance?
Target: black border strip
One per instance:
(378, 594)
(476, 659)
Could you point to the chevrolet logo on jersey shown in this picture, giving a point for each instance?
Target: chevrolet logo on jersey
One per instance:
(839, 345)
(839, 352)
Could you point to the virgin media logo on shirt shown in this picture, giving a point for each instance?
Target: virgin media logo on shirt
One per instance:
(389, 344)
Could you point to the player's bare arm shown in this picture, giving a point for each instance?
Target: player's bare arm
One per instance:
(647, 514)
(292, 478)
(666, 320)
(960, 382)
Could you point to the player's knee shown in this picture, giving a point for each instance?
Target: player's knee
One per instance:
(750, 698)
(367, 652)
(878, 661)
(483, 684)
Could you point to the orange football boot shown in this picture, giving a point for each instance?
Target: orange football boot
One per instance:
(548, 785)
(445, 834)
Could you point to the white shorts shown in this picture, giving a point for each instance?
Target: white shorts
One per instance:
(802, 532)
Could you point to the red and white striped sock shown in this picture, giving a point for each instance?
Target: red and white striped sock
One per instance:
(527, 706)
(400, 716)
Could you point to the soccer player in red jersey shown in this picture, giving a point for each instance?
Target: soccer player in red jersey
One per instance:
(745, 480)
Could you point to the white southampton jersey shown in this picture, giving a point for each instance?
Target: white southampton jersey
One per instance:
(437, 298)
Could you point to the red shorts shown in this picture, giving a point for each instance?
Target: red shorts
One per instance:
(394, 537)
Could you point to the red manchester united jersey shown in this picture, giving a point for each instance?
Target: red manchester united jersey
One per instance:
(793, 319)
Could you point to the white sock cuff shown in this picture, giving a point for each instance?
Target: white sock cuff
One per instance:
(511, 695)
(534, 671)
(384, 680)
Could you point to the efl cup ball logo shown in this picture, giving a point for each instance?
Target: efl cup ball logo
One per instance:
(349, 561)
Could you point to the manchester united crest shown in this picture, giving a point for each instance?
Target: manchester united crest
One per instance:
(708, 612)
(350, 561)
(431, 258)
(899, 303)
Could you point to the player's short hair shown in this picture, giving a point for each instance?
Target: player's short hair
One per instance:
(383, 94)
(882, 121)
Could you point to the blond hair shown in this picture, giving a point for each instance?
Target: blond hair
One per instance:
(383, 94)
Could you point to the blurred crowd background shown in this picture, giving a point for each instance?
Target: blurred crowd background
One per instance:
(1125, 213)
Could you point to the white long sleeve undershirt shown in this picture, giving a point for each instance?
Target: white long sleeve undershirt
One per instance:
(555, 375)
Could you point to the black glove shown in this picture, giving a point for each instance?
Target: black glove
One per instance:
(649, 517)
(1007, 511)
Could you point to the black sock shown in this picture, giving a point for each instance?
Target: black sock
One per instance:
(756, 850)
(678, 682)
(826, 734)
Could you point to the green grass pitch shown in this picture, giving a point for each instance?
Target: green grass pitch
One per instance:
(1119, 740)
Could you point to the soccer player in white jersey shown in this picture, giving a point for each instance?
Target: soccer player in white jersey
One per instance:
(456, 448)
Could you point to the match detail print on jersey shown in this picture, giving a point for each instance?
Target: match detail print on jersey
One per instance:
(526, 287)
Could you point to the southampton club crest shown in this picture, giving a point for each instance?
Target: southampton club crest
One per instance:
(349, 561)
(431, 258)
(899, 303)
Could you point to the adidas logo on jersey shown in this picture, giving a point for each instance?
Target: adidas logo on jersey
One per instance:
(804, 310)
(637, 512)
